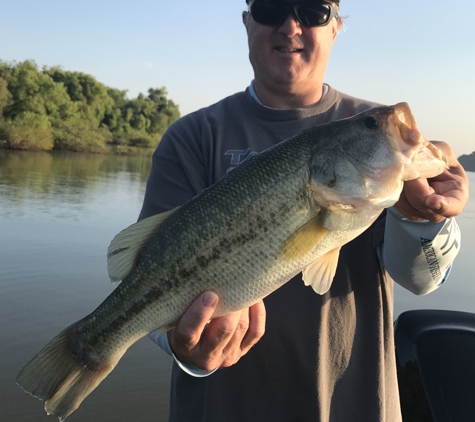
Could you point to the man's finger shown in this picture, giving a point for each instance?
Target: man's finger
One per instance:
(417, 191)
(232, 352)
(257, 326)
(219, 332)
(188, 331)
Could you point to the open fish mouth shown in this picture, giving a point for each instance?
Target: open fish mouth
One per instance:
(402, 126)
(406, 124)
(420, 157)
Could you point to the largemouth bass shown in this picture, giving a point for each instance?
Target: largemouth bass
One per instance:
(288, 209)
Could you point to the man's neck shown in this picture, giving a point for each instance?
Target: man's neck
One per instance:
(287, 99)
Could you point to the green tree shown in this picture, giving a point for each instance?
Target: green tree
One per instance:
(91, 97)
(166, 108)
(72, 110)
(114, 118)
(29, 131)
(36, 92)
(5, 96)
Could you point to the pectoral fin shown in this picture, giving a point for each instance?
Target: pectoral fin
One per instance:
(124, 248)
(320, 273)
(303, 241)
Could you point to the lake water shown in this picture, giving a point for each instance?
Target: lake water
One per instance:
(58, 214)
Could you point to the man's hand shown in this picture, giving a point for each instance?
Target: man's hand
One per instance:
(216, 343)
(440, 197)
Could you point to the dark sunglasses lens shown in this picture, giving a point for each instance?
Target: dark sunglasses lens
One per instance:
(270, 12)
(313, 14)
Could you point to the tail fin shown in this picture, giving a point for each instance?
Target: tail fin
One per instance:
(62, 377)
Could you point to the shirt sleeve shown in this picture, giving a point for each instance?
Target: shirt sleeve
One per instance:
(162, 341)
(418, 255)
(179, 170)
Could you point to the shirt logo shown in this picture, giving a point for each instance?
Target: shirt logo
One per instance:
(238, 156)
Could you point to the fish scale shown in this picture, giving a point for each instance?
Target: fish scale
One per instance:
(197, 217)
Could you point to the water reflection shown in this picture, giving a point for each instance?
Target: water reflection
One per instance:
(58, 213)
(46, 181)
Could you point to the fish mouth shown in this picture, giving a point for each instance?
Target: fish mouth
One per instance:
(407, 140)
(405, 123)
(402, 126)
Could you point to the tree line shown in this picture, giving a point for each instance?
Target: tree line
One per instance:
(54, 109)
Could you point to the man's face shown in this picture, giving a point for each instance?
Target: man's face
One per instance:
(289, 57)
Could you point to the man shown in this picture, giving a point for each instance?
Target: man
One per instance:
(323, 357)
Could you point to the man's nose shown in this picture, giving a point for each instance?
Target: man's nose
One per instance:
(291, 26)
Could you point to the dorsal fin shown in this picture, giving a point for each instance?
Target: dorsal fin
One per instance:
(303, 240)
(320, 273)
(123, 250)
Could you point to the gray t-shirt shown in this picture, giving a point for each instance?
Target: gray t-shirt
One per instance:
(323, 357)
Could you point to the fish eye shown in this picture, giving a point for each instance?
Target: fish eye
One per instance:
(371, 122)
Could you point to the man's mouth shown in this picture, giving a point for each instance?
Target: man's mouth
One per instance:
(289, 50)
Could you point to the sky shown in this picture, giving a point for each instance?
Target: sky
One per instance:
(421, 52)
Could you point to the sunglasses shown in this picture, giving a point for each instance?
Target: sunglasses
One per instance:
(308, 13)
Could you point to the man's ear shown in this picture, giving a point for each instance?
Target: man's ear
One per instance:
(336, 30)
(246, 17)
